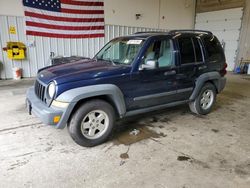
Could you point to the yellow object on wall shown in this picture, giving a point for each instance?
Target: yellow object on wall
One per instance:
(12, 30)
(16, 50)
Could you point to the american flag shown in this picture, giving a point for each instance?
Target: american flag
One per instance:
(64, 18)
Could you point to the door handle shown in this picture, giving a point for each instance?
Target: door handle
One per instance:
(180, 76)
(170, 73)
(202, 67)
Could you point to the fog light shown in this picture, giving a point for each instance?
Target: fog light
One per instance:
(59, 104)
(57, 119)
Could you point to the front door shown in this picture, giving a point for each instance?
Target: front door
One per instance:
(156, 78)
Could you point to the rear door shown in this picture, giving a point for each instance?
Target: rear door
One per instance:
(191, 64)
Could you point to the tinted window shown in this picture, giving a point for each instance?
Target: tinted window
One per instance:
(214, 49)
(186, 50)
(197, 48)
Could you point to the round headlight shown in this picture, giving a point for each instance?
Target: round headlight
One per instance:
(52, 89)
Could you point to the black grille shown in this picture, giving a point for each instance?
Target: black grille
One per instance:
(40, 90)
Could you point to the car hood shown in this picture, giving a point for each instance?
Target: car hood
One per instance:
(80, 70)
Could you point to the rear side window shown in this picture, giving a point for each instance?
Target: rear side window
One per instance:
(197, 48)
(213, 48)
(186, 50)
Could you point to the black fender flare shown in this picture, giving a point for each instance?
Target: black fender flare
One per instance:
(73, 96)
(213, 77)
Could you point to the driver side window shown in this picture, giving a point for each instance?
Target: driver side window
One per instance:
(159, 52)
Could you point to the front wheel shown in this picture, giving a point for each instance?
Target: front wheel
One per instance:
(204, 102)
(92, 123)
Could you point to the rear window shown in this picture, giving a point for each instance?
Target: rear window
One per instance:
(213, 48)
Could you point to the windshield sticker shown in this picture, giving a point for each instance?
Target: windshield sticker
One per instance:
(134, 42)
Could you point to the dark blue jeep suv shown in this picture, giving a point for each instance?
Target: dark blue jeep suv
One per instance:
(133, 74)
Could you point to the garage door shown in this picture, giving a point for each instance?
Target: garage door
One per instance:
(226, 25)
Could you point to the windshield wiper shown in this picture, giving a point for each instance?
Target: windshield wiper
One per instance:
(107, 60)
(95, 58)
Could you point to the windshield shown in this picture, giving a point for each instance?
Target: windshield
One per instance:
(120, 51)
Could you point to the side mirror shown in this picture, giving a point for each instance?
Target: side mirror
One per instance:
(150, 64)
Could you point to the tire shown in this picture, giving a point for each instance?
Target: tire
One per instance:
(92, 123)
(205, 100)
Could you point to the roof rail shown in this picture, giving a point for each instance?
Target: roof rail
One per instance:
(145, 32)
(194, 30)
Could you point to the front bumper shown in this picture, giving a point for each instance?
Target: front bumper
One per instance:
(45, 113)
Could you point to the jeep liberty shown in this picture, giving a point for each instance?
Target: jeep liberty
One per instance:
(131, 75)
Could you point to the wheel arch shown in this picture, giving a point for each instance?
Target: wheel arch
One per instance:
(78, 96)
(105, 98)
(211, 77)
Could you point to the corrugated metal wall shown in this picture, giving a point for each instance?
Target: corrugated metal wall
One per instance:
(38, 55)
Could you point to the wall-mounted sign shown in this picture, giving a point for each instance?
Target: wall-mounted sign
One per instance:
(12, 30)
(15, 50)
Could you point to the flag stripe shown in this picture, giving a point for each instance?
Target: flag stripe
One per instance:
(64, 35)
(82, 3)
(49, 26)
(64, 15)
(77, 7)
(51, 22)
(88, 0)
(73, 11)
(71, 32)
(63, 19)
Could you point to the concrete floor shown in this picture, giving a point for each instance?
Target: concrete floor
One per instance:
(173, 149)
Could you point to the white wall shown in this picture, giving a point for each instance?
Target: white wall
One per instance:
(122, 12)
(177, 14)
(11, 8)
(164, 14)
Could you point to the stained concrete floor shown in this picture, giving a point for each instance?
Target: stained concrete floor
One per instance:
(173, 149)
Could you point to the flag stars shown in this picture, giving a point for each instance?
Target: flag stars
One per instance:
(51, 5)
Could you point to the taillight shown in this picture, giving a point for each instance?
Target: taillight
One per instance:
(223, 71)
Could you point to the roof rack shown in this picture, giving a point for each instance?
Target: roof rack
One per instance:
(145, 32)
(175, 31)
(194, 30)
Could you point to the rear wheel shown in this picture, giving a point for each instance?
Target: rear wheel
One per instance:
(92, 123)
(204, 102)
